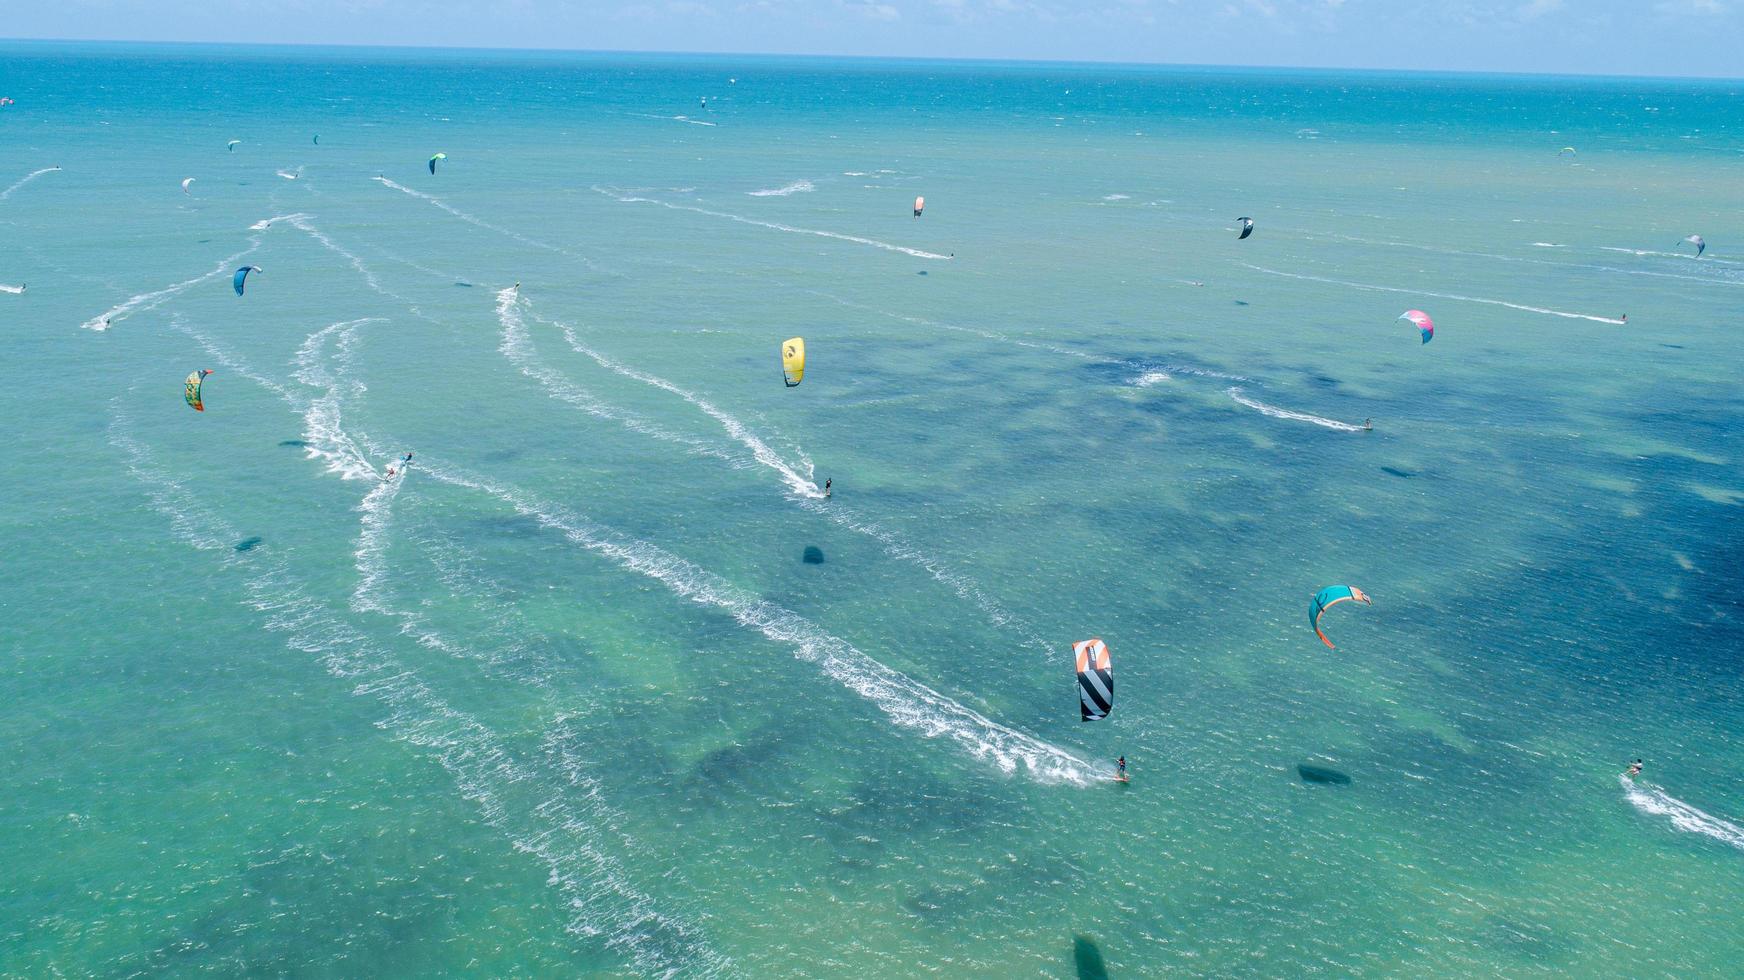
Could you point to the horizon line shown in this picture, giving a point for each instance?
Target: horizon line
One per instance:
(1068, 62)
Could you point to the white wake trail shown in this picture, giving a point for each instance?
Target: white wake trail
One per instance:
(896, 546)
(376, 507)
(786, 190)
(144, 302)
(801, 484)
(1525, 260)
(542, 814)
(503, 644)
(1705, 259)
(517, 346)
(682, 119)
(25, 180)
(777, 226)
(1657, 802)
(305, 223)
(1284, 413)
(370, 555)
(234, 364)
(325, 437)
(1421, 292)
(804, 488)
(906, 702)
(471, 220)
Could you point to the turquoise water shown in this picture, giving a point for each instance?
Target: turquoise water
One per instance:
(600, 686)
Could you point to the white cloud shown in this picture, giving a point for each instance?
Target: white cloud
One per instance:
(1534, 9)
(1264, 8)
(1708, 8)
(876, 11)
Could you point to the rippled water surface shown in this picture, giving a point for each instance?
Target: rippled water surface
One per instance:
(602, 685)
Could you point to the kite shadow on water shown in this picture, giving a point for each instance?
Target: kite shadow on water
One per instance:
(1322, 775)
(813, 555)
(1088, 959)
(247, 544)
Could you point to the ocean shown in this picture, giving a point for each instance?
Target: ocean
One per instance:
(601, 685)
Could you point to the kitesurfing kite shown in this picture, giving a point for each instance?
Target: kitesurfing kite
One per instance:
(793, 361)
(231, 146)
(1095, 679)
(1567, 151)
(1328, 597)
(195, 382)
(1425, 326)
(317, 139)
(439, 156)
(1700, 245)
(242, 276)
(1246, 228)
(919, 206)
(185, 184)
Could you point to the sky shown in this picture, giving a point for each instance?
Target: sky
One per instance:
(1629, 37)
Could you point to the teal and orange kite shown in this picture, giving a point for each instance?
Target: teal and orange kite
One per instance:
(1328, 597)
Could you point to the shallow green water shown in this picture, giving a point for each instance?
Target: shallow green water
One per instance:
(601, 687)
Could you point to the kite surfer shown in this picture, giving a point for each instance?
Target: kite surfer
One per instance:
(827, 483)
(1120, 770)
(1368, 425)
(1634, 769)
